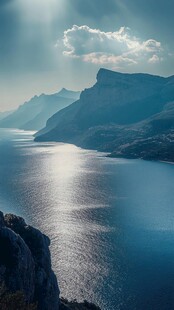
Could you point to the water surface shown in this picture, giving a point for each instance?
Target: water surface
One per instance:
(110, 221)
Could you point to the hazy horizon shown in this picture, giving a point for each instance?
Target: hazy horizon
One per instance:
(76, 90)
(39, 94)
(47, 45)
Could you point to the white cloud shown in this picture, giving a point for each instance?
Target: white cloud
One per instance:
(120, 47)
(154, 59)
(100, 58)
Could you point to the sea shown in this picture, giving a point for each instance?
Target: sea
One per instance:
(110, 221)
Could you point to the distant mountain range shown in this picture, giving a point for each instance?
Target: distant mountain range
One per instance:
(32, 115)
(5, 114)
(128, 115)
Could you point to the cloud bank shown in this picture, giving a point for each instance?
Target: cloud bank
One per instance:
(117, 48)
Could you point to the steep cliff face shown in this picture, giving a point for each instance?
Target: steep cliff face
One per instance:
(118, 111)
(116, 98)
(25, 263)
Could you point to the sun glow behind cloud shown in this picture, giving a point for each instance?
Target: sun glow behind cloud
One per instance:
(120, 47)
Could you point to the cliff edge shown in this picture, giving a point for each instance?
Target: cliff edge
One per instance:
(25, 263)
(27, 281)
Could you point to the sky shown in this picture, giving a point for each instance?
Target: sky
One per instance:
(49, 44)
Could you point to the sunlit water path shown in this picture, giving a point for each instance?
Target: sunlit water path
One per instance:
(110, 221)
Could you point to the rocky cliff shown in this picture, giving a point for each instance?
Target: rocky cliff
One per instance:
(25, 263)
(122, 114)
(27, 281)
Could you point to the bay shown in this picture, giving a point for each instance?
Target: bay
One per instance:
(110, 221)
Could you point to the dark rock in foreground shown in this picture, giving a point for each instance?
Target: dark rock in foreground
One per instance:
(25, 263)
(25, 270)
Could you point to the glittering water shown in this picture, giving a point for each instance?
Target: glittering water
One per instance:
(111, 222)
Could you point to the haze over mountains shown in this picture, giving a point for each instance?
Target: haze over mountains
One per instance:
(32, 115)
(129, 115)
(5, 114)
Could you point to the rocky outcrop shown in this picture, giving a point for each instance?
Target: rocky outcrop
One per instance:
(25, 269)
(25, 263)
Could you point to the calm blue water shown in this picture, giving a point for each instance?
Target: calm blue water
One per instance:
(111, 222)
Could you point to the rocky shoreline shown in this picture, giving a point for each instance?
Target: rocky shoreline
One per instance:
(74, 305)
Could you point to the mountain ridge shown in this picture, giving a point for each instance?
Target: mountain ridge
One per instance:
(33, 114)
(117, 105)
(5, 114)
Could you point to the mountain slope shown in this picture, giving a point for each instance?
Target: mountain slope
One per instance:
(5, 114)
(154, 139)
(115, 98)
(33, 114)
(119, 114)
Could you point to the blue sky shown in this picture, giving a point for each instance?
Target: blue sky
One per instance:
(49, 44)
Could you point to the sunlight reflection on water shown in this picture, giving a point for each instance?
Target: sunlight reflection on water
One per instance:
(110, 221)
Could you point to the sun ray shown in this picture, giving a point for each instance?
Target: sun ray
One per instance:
(39, 10)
